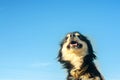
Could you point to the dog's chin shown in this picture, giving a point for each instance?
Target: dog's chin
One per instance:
(74, 45)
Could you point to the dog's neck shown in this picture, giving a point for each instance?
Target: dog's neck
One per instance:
(77, 69)
(75, 60)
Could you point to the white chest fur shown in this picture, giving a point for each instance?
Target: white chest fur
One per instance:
(74, 59)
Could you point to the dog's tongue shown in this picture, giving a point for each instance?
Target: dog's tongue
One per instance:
(73, 44)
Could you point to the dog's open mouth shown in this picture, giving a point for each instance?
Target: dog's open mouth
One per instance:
(74, 44)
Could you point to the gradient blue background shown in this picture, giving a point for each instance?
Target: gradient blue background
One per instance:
(31, 31)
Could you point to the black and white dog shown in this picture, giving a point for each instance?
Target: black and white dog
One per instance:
(77, 55)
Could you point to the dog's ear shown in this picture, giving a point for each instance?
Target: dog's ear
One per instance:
(59, 57)
(90, 49)
(91, 54)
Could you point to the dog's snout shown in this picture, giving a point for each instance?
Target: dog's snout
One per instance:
(72, 35)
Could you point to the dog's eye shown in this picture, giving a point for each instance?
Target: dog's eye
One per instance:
(78, 36)
(66, 38)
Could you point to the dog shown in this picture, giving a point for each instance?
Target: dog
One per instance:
(76, 55)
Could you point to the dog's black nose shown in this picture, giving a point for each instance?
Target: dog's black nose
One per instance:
(72, 35)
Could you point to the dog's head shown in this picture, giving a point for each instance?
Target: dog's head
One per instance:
(76, 53)
(75, 43)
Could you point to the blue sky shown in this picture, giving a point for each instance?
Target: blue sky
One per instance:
(31, 31)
